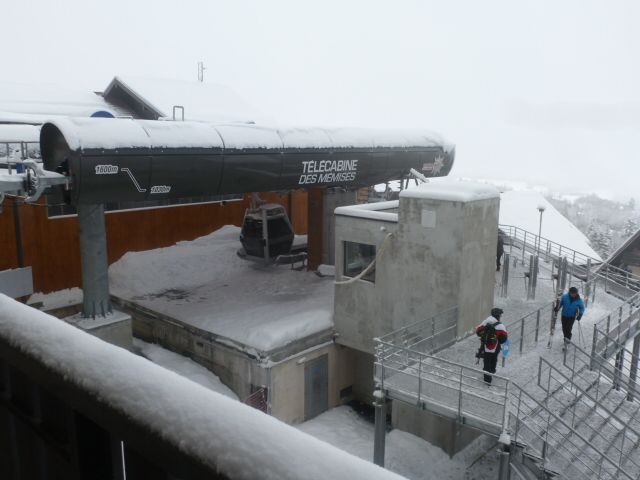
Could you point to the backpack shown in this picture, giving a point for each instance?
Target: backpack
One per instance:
(489, 335)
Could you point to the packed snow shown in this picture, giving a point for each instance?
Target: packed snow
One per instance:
(405, 453)
(61, 298)
(232, 438)
(182, 366)
(110, 133)
(384, 211)
(19, 133)
(451, 190)
(205, 284)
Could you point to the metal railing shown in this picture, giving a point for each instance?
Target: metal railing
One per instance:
(607, 373)
(427, 336)
(614, 436)
(612, 331)
(441, 386)
(581, 265)
(560, 447)
(530, 328)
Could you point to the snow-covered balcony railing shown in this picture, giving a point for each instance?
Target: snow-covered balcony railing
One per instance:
(561, 448)
(74, 406)
(441, 386)
(571, 397)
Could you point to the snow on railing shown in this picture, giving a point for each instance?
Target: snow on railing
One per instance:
(228, 437)
(614, 330)
(604, 428)
(426, 336)
(443, 387)
(561, 448)
(581, 265)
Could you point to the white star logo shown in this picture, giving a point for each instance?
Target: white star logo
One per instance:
(435, 167)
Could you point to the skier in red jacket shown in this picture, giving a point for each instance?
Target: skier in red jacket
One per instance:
(492, 334)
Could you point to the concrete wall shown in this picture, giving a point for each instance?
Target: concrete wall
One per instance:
(243, 373)
(425, 269)
(445, 433)
(288, 382)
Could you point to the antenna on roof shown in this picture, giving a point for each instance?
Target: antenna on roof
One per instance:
(201, 70)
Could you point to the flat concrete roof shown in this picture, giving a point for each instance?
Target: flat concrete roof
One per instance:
(246, 304)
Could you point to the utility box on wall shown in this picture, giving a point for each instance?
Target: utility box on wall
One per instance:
(435, 248)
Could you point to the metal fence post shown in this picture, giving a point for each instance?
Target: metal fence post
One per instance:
(537, 324)
(587, 287)
(521, 333)
(419, 379)
(593, 348)
(380, 405)
(633, 373)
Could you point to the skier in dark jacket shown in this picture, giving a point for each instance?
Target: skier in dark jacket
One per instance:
(500, 251)
(572, 309)
(492, 334)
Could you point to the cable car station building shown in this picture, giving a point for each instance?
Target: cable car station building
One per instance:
(432, 248)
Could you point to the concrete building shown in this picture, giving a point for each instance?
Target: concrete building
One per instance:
(434, 251)
(434, 248)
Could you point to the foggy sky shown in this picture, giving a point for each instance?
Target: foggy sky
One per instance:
(546, 92)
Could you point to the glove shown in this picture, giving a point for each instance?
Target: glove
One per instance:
(579, 317)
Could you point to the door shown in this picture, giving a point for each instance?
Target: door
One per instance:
(316, 386)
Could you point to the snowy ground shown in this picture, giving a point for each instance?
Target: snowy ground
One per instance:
(406, 454)
(523, 368)
(182, 366)
(204, 283)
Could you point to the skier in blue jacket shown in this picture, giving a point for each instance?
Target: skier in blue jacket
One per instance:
(572, 309)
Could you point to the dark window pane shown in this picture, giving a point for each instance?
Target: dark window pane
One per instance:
(357, 257)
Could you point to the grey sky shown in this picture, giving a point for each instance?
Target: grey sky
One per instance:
(545, 91)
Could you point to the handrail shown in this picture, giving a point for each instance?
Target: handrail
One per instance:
(538, 408)
(579, 260)
(616, 328)
(455, 389)
(569, 384)
(443, 324)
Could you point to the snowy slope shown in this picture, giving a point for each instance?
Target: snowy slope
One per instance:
(204, 283)
(520, 208)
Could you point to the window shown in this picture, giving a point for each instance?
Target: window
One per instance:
(357, 257)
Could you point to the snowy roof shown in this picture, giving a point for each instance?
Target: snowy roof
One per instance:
(202, 101)
(110, 133)
(613, 258)
(255, 308)
(371, 211)
(452, 190)
(520, 209)
(23, 103)
(19, 133)
(237, 440)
